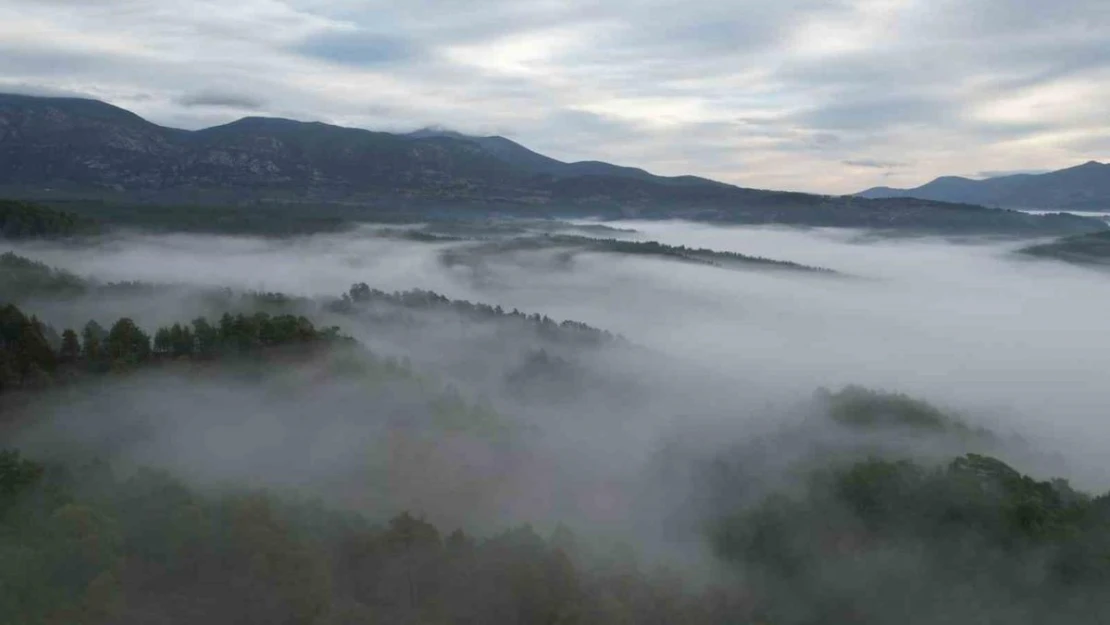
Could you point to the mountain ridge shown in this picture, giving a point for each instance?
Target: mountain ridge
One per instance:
(53, 146)
(1084, 187)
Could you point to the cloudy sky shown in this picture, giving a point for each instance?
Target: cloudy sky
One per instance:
(815, 95)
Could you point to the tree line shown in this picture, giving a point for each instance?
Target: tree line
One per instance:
(33, 354)
(361, 296)
(22, 278)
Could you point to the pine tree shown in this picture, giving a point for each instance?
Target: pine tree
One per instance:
(70, 351)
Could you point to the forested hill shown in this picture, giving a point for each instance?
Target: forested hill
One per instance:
(64, 147)
(571, 244)
(1085, 249)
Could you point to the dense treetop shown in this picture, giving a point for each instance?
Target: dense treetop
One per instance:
(26, 220)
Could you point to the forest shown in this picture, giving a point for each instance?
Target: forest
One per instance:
(26, 220)
(972, 537)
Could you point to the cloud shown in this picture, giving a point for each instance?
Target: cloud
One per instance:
(949, 86)
(44, 91)
(359, 48)
(221, 100)
(875, 164)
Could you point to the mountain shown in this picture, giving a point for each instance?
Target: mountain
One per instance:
(1082, 188)
(66, 147)
(512, 152)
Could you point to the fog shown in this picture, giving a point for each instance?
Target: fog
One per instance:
(714, 357)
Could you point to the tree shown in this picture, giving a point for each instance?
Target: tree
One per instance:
(207, 337)
(181, 340)
(163, 343)
(127, 344)
(29, 356)
(93, 337)
(70, 351)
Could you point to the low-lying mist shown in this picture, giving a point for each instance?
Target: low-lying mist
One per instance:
(691, 393)
(962, 323)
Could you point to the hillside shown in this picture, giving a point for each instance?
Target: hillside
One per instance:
(63, 148)
(1082, 188)
(1085, 249)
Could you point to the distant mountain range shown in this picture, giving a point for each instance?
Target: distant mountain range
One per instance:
(1082, 188)
(53, 148)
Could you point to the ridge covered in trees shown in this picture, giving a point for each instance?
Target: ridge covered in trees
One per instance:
(973, 538)
(681, 252)
(568, 242)
(33, 355)
(362, 295)
(1084, 249)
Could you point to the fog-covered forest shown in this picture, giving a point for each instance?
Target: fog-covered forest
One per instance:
(510, 421)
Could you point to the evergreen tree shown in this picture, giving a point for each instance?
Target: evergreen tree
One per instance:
(70, 351)
(127, 344)
(162, 341)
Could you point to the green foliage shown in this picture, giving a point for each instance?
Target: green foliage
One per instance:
(59, 559)
(25, 220)
(361, 296)
(973, 523)
(127, 345)
(70, 351)
(21, 278)
(27, 358)
(860, 407)
(146, 548)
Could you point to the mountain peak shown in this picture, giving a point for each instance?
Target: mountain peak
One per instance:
(429, 132)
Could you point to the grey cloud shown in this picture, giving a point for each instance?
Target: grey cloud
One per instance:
(868, 112)
(874, 163)
(1097, 144)
(825, 139)
(47, 91)
(220, 99)
(992, 17)
(43, 61)
(360, 48)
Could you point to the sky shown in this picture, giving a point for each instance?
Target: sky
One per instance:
(829, 96)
